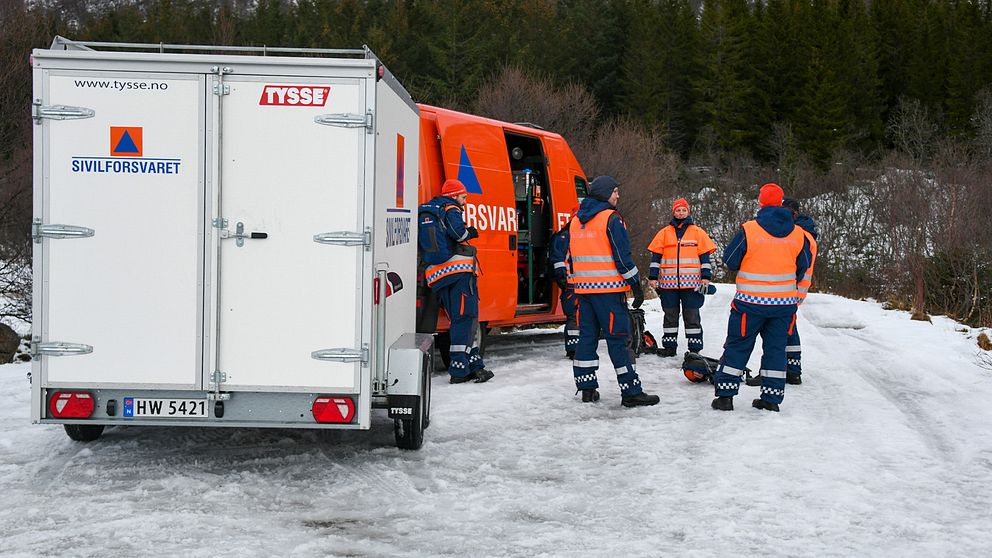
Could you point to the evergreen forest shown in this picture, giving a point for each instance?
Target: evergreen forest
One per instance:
(702, 98)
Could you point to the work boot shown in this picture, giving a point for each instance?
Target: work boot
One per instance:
(478, 376)
(753, 381)
(764, 405)
(666, 352)
(590, 396)
(640, 400)
(793, 378)
(482, 376)
(725, 403)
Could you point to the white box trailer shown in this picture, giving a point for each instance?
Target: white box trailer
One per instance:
(224, 236)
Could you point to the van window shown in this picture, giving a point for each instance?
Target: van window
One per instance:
(580, 188)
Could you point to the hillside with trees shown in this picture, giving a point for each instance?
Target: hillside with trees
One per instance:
(877, 114)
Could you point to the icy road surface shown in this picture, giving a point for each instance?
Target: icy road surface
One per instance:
(885, 450)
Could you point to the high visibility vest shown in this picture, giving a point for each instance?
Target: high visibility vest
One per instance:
(593, 268)
(807, 279)
(768, 270)
(680, 267)
(455, 264)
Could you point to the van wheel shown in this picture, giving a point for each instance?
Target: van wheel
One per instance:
(442, 341)
(410, 432)
(83, 432)
(428, 367)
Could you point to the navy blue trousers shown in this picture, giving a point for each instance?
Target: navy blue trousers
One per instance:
(794, 352)
(571, 328)
(747, 321)
(460, 300)
(604, 314)
(689, 301)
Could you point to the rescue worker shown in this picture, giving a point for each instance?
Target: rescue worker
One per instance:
(567, 296)
(451, 273)
(771, 255)
(602, 271)
(680, 274)
(793, 347)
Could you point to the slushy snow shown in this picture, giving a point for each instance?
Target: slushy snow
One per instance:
(885, 450)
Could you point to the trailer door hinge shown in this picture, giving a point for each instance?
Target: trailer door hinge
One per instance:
(343, 355)
(222, 89)
(59, 112)
(58, 348)
(347, 120)
(40, 231)
(346, 238)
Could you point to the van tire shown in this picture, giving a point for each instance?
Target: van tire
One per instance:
(83, 432)
(442, 341)
(427, 373)
(410, 432)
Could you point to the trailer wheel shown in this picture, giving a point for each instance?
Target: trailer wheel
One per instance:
(83, 432)
(410, 432)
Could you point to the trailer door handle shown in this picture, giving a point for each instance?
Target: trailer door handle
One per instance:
(259, 235)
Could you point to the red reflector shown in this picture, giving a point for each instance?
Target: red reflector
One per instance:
(333, 409)
(71, 404)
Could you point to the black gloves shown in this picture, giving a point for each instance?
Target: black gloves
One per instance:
(638, 295)
(472, 233)
(562, 282)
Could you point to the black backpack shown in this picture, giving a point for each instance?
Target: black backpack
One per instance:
(641, 340)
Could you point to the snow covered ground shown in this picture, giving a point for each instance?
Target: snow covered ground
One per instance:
(885, 450)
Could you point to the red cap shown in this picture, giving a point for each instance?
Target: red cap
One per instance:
(679, 203)
(771, 194)
(453, 187)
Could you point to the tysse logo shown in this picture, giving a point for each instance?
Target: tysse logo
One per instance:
(294, 95)
(127, 149)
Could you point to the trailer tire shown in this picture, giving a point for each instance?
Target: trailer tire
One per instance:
(83, 432)
(410, 432)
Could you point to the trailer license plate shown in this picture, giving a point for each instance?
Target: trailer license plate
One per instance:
(165, 408)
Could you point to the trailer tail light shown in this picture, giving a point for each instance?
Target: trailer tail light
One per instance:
(71, 404)
(333, 409)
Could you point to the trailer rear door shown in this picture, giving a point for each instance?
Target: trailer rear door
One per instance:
(122, 157)
(290, 280)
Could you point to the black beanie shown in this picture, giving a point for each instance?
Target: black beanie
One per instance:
(601, 187)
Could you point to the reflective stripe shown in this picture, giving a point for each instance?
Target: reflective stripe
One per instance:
(559, 265)
(804, 289)
(693, 331)
(808, 276)
(706, 266)
(623, 370)
(670, 330)
(459, 349)
(793, 348)
(630, 273)
(572, 332)
(585, 363)
(596, 259)
(766, 276)
(749, 287)
(732, 371)
(463, 237)
(587, 274)
(772, 373)
(655, 265)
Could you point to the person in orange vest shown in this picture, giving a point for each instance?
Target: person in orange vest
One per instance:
(602, 271)
(770, 255)
(450, 273)
(680, 274)
(793, 346)
(559, 264)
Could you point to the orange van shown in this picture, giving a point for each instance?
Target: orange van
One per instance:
(523, 183)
